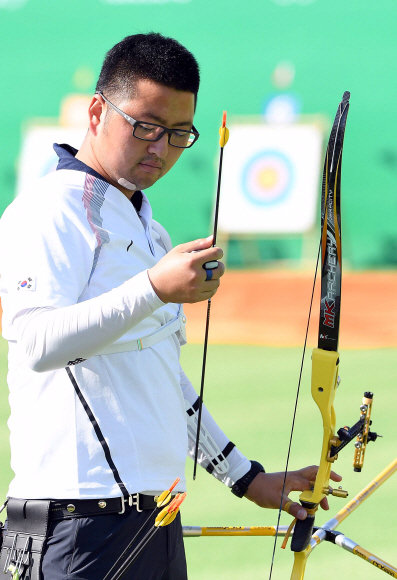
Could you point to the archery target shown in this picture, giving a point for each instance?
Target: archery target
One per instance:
(267, 178)
(271, 178)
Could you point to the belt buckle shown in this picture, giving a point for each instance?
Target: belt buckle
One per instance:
(135, 503)
(123, 500)
(133, 500)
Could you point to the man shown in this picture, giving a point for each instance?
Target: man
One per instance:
(102, 415)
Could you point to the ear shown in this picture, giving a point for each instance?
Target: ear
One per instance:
(96, 113)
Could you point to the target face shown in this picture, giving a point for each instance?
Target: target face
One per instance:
(270, 178)
(267, 178)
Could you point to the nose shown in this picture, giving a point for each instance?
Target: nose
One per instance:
(160, 147)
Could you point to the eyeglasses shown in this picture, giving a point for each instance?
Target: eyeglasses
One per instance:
(153, 132)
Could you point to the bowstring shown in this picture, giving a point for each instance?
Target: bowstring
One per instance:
(294, 414)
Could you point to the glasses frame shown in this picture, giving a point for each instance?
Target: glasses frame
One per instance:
(135, 123)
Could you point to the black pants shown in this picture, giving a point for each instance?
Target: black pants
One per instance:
(86, 548)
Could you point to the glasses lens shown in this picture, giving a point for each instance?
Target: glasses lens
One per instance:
(147, 131)
(182, 139)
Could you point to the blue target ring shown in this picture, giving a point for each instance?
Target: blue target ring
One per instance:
(268, 178)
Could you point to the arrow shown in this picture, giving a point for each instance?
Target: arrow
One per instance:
(224, 137)
(164, 518)
(162, 500)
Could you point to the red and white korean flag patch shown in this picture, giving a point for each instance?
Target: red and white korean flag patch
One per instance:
(28, 283)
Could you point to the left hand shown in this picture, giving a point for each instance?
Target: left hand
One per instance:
(265, 490)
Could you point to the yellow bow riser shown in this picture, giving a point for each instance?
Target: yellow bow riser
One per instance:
(325, 368)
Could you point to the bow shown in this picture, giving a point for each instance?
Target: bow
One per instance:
(325, 358)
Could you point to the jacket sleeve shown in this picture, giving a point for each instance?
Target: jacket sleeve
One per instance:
(212, 439)
(53, 338)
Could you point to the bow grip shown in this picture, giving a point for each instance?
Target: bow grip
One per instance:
(303, 529)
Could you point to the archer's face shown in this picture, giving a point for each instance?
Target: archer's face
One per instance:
(120, 154)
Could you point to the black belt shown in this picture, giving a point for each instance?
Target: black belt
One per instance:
(78, 508)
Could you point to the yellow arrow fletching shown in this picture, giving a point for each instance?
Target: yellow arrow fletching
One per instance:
(168, 514)
(164, 498)
(161, 516)
(166, 520)
(223, 131)
(165, 517)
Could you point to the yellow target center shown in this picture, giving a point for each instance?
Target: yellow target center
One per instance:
(267, 178)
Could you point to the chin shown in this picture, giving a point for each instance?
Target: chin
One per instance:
(145, 183)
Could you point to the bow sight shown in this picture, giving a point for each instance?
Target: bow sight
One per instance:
(361, 430)
(364, 435)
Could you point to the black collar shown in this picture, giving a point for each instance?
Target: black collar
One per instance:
(67, 160)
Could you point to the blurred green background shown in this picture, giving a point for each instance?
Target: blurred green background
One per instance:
(49, 49)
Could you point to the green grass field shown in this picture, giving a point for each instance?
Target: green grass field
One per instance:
(251, 393)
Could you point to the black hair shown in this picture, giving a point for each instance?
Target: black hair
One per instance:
(151, 57)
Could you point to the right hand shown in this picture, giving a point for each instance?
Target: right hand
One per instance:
(180, 277)
(265, 490)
